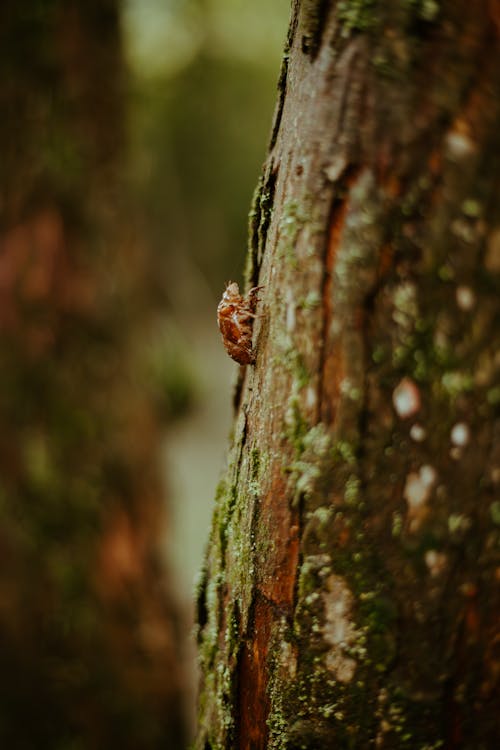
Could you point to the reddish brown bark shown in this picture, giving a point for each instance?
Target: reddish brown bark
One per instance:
(359, 517)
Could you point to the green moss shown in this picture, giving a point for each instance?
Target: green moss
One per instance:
(352, 487)
(397, 524)
(294, 363)
(493, 396)
(495, 512)
(373, 613)
(471, 208)
(259, 220)
(379, 354)
(357, 15)
(427, 10)
(254, 464)
(310, 302)
(296, 426)
(446, 273)
(39, 467)
(344, 451)
(312, 447)
(458, 524)
(292, 219)
(408, 723)
(426, 350)
(226, 498)
(457, 382)
(313, 569)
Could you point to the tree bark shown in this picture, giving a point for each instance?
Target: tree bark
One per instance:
(350, 596)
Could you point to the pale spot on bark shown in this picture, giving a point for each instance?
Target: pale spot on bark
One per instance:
(406, 398)
(417, 491)
(435, 561)
(459, 145)
(460, 434)
(466, 299)
(428, 474)
(338, 629)
(311, 397)
(336, 167)
(418, 433)
(288, 659)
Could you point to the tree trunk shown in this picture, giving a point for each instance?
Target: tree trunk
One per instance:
(350, 596)
(88, 635)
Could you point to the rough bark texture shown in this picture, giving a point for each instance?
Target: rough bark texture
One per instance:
(350, 596)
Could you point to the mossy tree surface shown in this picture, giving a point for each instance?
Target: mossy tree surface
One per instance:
(350, 596)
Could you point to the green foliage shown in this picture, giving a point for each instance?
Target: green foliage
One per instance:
(208, 135)
(169, 375)
(200, 125)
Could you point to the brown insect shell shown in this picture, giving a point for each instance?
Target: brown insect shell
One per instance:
(235, 315)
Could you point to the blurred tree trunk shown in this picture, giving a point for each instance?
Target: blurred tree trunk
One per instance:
(89, 638)
(351, 594)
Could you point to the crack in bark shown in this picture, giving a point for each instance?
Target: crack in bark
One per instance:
(335, 223)
(283, 78)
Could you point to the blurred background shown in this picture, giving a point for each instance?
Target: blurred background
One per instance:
(203, 90)
(133, 135)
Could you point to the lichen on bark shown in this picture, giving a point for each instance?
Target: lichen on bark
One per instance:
(370, 540)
